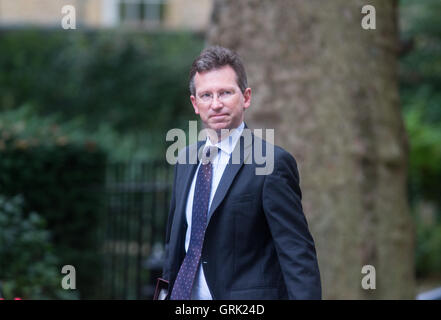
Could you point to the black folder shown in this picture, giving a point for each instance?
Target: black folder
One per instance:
(161, 291)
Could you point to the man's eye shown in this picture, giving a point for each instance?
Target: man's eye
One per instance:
(205, 96)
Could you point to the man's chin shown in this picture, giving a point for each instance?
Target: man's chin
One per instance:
(218, 126)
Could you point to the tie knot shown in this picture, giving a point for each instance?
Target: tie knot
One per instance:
(208, 154)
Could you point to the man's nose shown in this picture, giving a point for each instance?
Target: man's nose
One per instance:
(216, 103)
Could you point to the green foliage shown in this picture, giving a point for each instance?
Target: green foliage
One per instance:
(28, 265)
(62, 179)
(113, 82)
(31, 129)
(428, 259)
(421, 26)
(420, 89)
(420, 86)
(425, 153)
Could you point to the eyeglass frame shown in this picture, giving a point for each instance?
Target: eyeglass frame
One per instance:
(220, 95)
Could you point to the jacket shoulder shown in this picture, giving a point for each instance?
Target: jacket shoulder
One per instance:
(281, 158)
(188, 154)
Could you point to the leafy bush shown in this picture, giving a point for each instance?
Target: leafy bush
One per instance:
(428, 261)
(28, 264)
(32, 130)
(420, 87)
(425, 153)
(132, 84)
(62, 178)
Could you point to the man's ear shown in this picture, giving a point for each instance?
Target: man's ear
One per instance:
(247, 98)
(193, 102)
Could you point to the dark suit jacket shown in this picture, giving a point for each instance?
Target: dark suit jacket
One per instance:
(257, 244)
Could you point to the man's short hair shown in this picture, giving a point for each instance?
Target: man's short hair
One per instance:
(216, 57)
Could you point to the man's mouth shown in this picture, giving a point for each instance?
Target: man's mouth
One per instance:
(219, 115)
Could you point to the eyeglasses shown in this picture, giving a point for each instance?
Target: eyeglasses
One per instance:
(224, 95)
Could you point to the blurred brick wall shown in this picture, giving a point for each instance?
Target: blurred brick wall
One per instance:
(180, 14)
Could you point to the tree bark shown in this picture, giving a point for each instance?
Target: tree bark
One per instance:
(329, 89)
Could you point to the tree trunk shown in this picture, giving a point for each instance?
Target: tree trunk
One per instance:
(329, 89)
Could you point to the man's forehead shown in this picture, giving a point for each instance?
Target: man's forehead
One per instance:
(224, 76)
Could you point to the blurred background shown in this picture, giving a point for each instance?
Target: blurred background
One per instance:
(83, 118)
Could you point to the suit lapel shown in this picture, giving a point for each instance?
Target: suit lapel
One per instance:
(179, 221)
(231, 170)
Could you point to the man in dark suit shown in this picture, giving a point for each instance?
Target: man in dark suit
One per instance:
(233, 233)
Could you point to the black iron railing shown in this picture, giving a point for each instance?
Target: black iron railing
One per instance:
(137, 202)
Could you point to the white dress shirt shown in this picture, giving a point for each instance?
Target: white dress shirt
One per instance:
(200, 288)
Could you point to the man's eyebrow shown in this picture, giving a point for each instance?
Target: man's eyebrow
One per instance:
(231, 88)
(227, 88)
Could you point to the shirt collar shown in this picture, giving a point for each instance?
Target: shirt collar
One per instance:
(227, 145)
